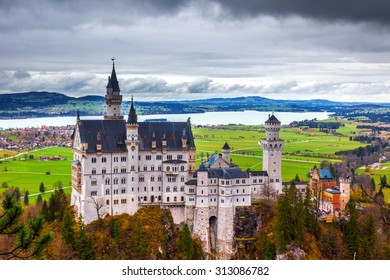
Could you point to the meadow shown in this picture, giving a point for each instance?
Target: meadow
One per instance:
(27, 173)
(303, 148)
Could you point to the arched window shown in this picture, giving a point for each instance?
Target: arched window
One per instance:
(93, 170)
(168, 199)
(168, 168)
(116, 180)
(107, 181)
(103, 170)
(107, 191)
(93, 182)
(182, 168)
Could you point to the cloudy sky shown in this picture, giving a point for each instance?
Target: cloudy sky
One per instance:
(182, 49)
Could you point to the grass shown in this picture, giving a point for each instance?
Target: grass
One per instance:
(376, 174)
(29, 173)
(303, 148)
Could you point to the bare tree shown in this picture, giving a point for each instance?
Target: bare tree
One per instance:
(268, 191)
(98, 204)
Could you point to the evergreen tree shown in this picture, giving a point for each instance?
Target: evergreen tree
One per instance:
(185, 243)
(45, 209)
(39, 200)
(268, 249)
(67, 228)
(352, 235)
(17, 194)
(28, 239)
(372, 185)
(41, 187)
(26, 199)
(114, 229)
(369, 238)
(285, 221)
(84, 244)
(140, 245)
(309, 218)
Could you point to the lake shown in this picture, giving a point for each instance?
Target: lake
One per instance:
(209, 118)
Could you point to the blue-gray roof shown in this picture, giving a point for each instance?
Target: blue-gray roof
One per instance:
(111, 134)
(272, 119)
(223, 173)
(325, 174)
(333, 191)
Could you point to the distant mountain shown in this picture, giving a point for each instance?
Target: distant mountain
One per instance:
(42, 104)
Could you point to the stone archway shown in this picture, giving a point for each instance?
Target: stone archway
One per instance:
(213, 225)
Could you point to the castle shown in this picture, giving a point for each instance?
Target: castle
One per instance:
(121, 165)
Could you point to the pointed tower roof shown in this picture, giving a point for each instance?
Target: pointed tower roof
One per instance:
(272, 119)
(109, 85)
(202, 167)
(133, 118)
(114, 80)
(226, 146)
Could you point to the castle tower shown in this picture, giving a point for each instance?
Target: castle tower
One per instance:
(113, 97)
(345, 192)
(226, 152)
(132, 142)
(272, 153)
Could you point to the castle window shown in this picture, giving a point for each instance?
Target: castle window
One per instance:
(116, 192)
(107, 191)
(152, 168)
(243, 200)
(142, 179)
(237, 190)
(260, 180)
(168, 189)
(123, 170)
(222, 201)
(123, 180)
(175, 199)
(107, 181)
(93, 170)
(175, 189)
(116, 181)
(159, 157)
(180, 157)
(148, 157)
(93, 193)
(271, 180)
(132, 200)
(181, 168)
(115, 169)
(254, 181)
(182, 198)
(168, 168)
(94, 182)
(169, 157)
(159, 168)
(107, 202)
(222, 192)
(159, 198)
(144, 189)
(243, 181)
(123, 159)
(159, 178)
(191, 190)
(132, 179)
(222, 182)
(104, 159)
(152, 179)
(182, 189)
(93, 160)
(237, 181)
(115, 159)
(123, 201)
(277, 180)
(145, 168)
(168, 199)
(132, 168)
(116, 201)
(103, 171)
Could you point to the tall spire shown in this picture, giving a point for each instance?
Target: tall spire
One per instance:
(114, 80)
(133, 118)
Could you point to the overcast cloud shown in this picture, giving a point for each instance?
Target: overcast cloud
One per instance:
(169, 49)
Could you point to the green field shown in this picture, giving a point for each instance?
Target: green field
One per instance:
(303, 148)
(29, 173)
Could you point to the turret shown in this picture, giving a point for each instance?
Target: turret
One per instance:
(226, 152)
(113, 97)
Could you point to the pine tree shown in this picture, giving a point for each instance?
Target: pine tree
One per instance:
(39, 200)
(140, 245)
(26, 199)
(186, 244)
(268, 249)
(285, 221)
(28, 239)
(84, 244)
(45, 210)
(372, 185)
(41, 187)
(352, 235)
(369, 238)
(67, 228)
